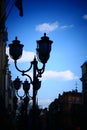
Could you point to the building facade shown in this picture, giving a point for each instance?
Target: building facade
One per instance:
(67, 110)
(5, 74)
(2, 47)
(84, 86)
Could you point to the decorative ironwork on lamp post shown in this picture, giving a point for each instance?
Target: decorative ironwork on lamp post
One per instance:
(42, 55)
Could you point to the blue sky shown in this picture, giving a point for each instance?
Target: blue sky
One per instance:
(65, 22)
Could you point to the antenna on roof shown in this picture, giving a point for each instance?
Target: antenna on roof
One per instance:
(76, 87)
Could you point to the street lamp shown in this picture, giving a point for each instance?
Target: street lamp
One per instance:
(42, 55)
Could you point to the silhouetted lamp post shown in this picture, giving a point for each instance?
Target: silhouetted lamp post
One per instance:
(42, 55)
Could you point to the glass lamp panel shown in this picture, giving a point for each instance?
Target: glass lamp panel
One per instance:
(15, 52)
(17, 83)
(43, 58)
(15, 49)
(26, 86)
(44, 48)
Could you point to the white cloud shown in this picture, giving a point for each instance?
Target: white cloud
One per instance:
(47, 27)
(61, 76)
(85, 16)
(67, 26)
(66, 75)
(27, 56)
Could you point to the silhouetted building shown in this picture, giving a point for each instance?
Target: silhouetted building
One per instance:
(67, 109)
(84, 94)
(84, 86)
(5, 74)
(2, 47)
(71, 98)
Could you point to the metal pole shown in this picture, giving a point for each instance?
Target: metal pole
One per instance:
(34, 94)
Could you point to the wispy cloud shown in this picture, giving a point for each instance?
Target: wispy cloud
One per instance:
(84, 16)
(66, 75)
(27, 56)
(66, 26)
(61, 76)
(47, 27)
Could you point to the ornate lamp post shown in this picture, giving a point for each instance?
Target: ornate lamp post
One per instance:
(42, 55)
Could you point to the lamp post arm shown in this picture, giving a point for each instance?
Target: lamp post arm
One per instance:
(40, 71)
(19, 96)
(24, 71)
(23, 74)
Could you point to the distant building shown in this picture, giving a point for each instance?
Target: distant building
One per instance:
(70, 99)
(67, 109)
(84, 86)
(67, 100)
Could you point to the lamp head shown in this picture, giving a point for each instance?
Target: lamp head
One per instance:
(17, 83)
(15, 49)
(26, 86)
(44, 48)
